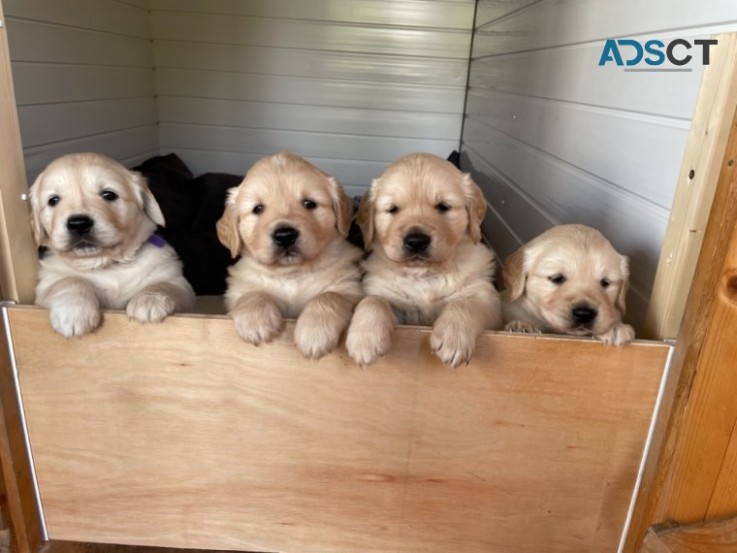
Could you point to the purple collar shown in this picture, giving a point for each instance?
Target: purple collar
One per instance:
(156, 240)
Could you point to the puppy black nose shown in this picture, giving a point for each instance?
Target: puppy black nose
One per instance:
(285, 236)
(417, 242)
(80, 224)
(583, 314)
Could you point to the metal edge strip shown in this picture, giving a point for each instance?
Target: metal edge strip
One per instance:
(19, 397)
(648, 445)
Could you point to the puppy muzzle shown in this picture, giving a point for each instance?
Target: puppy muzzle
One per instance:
(583, 317)
(285, 240)
(416, 245)
(80, 229)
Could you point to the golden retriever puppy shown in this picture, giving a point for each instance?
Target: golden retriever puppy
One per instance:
(568, 280)
(422, 220)
(97, 220)
(288, 221)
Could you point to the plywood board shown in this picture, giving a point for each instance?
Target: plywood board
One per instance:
(181, 435)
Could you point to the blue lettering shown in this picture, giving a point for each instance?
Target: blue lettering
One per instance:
(610, 53)
(638, 50)
(650, 48)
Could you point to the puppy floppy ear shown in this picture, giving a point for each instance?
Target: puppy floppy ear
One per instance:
(514, 275)
(227, 226)
(147, 201)
(366, 213)
(39, 234)
(476, 207)
(342, 206)
(621, 295)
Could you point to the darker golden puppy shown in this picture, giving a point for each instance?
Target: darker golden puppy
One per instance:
(422, 220)
(288, 221)
(97, 220)
(568, 280)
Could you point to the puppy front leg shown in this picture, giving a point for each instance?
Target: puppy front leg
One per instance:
(257, 318)
(370, 334)
(320, 325)
(454, 333)
(157, 301)
(74, 309)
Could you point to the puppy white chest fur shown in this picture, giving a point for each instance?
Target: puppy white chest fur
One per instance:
(117, 283)
(293, 287)
(418, 294)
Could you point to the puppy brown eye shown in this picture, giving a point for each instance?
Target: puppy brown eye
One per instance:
(108, 195)
(258, 209)
(557, 279)
(442, 207)
(309, 204)
(393, 209)
(53, 200)
(605, 282)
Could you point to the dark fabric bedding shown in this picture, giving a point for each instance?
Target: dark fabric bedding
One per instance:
(191, 208)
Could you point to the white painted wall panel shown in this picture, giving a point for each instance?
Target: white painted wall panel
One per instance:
(554, 138)
(349, 85)
(84, 81)
(284, 90)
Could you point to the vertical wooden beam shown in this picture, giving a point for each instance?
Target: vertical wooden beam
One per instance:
(687, 467)
(25, 521)
(700, 168)
(18, 263)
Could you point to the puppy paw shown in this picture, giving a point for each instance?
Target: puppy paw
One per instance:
(452, 343)
(313, 337)
(150, 307)
(367, 344)
(259, 325)
(75, 319)
(522, 326)
(618, 335)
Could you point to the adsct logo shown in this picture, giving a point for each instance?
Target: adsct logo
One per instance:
(651, 55)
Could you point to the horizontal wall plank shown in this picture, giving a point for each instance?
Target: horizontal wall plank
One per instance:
(221, 445)
(107, 16)
(321, 119)
(630, 150)
(634, 226)
(312, 35)
(370, 148)
(75, 83)
(49, 123)
(354, 175)
(304, 91)
(41, 42)
(572, 75)
(563, 22)
(123, 145)
(455, 14)
(345, 66)
(491, 10)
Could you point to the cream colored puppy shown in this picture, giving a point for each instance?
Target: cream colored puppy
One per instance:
(97, 220)
(288, 221)
(568, 280)
(422, 219)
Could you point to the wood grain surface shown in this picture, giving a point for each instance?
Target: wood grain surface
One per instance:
(714, 536)
(180, 435)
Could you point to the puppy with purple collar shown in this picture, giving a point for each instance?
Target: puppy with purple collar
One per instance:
(96, 220)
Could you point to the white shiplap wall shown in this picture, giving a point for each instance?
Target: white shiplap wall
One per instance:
(554, 138)
(84, 81)
(349, 85)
